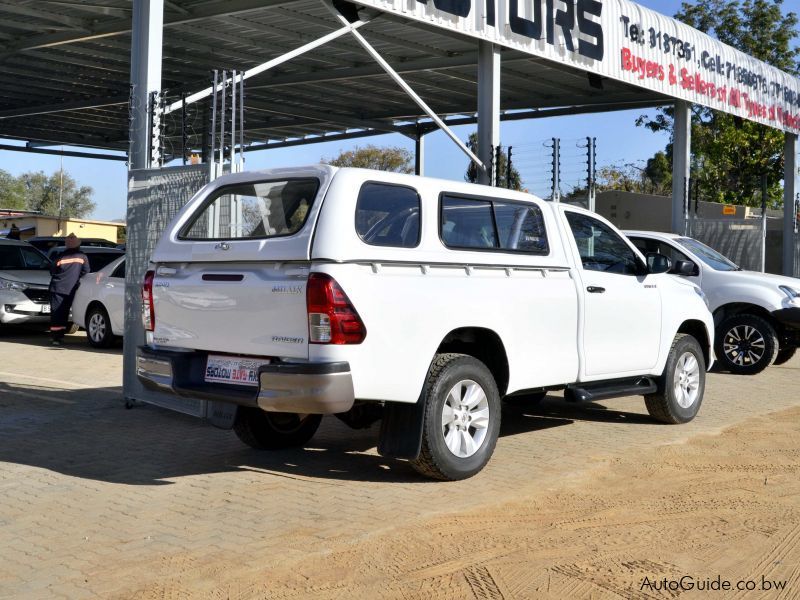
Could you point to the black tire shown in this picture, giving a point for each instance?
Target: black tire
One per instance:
(666, 405)
(274, 430)
(436, 460)
(784, 356)
(527, 399)
(98, 327)
(746, 344)
(71, 328)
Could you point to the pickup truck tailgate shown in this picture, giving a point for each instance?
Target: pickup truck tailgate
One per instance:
(249, 308)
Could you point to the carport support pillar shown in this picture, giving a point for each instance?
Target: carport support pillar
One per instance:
(146, 37)
(790, 194)
(488, 108)
(419, 153)
(681, 159)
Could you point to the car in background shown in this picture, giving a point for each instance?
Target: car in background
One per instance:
(98, 257)
(99, 305)
(24, 283)
(45, 243)
(756, 315)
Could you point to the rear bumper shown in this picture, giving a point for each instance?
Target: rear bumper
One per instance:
(318, 388)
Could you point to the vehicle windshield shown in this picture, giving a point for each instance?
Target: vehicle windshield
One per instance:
(22, 258)
(711, 257)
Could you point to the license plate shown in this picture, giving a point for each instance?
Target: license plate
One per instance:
(232, 369)
(45, 309)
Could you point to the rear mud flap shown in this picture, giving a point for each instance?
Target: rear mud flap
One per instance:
(221, 414)
(401, 430)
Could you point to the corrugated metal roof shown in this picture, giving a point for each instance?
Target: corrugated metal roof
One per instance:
(64, 72)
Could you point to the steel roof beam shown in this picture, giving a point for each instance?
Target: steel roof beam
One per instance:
(425, 64)
(92, 9)
(120, 26)
(44, 109)
(324, 117)
(62, 152)
(257, 70)
(74, 23)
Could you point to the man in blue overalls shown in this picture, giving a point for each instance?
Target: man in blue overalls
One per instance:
(68, 268)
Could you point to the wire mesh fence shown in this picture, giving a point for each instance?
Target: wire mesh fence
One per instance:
(554, 166)
(154, 197)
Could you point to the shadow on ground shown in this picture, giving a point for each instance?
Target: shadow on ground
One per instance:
(39, 335)
(89, 434)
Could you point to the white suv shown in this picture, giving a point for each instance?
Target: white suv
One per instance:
(757, 315)
(286, 294)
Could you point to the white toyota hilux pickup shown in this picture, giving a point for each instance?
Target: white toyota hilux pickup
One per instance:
(287, 294)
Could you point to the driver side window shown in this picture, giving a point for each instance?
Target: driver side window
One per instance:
(601, 249)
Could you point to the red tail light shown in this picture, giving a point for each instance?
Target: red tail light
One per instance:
(332, 318)
(148, 312)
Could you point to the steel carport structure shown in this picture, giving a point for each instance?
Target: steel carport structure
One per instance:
(67, 73)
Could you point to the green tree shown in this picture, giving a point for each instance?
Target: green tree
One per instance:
(472, 170)
(390, 158)
(52, 195)
(730, 154)
(12, 192)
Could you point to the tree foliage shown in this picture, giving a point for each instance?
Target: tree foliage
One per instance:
(730, 154)
(390, 158)
(37, 191)
(12, 192)
(471, 175)
(655, 177)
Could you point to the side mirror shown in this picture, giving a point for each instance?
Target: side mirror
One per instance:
(686, 267)
(658, 263)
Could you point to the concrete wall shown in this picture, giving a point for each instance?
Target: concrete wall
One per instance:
(629, 210)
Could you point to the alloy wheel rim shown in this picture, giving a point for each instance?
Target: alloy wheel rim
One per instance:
(744, 345)
(97, 327)
(686, 380)
(465, 418)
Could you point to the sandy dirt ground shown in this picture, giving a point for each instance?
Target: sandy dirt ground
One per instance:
(720, 508)
(579, 501)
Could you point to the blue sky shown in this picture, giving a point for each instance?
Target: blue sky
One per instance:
(618, 141)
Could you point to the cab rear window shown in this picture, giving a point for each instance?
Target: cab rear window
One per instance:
(259, 210)
(388, 215)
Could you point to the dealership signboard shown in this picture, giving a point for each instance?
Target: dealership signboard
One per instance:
(621, 40)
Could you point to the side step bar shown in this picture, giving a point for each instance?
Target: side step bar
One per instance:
(589, 392)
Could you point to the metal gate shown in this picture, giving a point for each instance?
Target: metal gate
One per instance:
(154, 198)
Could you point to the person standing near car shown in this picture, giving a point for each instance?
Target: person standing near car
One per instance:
(68, 268)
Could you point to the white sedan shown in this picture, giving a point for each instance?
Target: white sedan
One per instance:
(99, 305)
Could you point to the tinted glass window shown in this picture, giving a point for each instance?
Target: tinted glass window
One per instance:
(601, 249)
(520, 227)
(13, 257)
(254, 211)
(647, 245)
(467, 223)
(492, 224)
(98, 260)
(119, 271)
(388, 215)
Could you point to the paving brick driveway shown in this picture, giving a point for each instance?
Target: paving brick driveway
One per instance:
(100, 501)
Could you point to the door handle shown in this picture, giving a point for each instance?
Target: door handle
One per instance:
(593, 289)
